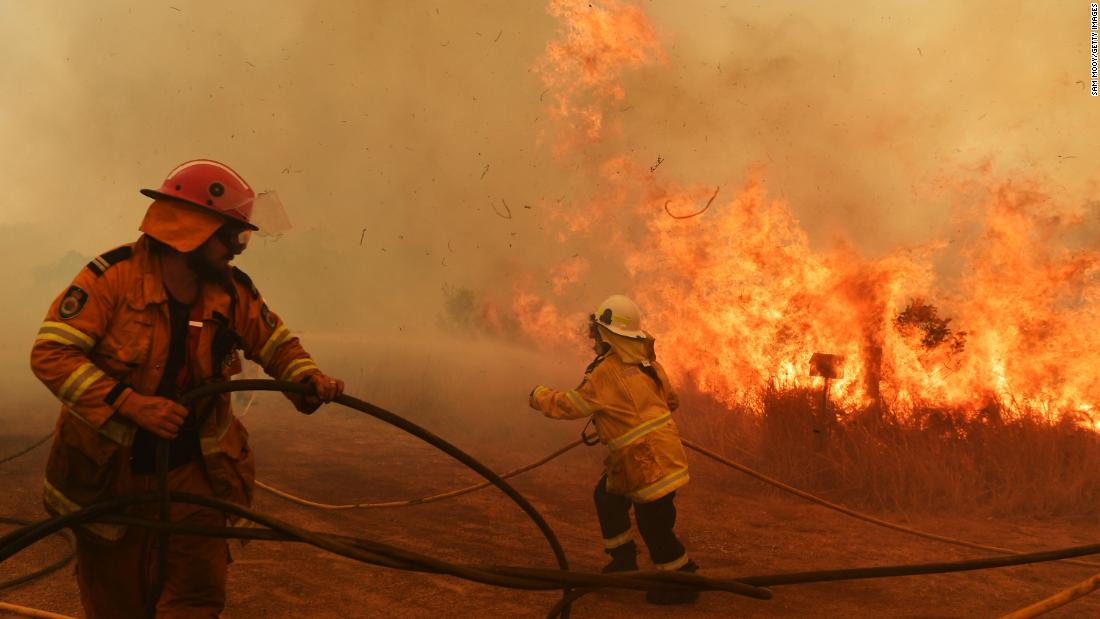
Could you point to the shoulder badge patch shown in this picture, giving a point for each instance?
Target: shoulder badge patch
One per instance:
(268, 316)
(72, 302)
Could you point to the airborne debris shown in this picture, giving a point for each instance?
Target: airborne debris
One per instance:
(660, 160)
(507, 210)
(498, 36)
(700, 212)
(485, 171)
(361, 235)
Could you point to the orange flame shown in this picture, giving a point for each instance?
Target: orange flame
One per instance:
(581, 71)
(568, 273)
(740, 300)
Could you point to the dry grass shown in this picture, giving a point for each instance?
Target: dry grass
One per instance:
(986, 461)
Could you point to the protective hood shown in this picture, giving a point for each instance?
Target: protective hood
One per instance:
(631, 350)
(181, 226)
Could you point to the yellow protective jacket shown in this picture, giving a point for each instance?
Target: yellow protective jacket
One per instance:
(631, 407)
(108, 334)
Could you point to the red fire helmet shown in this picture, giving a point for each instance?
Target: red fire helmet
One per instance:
(211, 185)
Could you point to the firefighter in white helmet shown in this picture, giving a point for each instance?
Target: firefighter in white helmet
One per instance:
(629, 399)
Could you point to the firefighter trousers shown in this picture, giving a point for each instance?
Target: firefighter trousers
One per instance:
(655, 519)
(115, 579)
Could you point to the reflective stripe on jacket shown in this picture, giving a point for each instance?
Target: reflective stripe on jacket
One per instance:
(111, 336)
(631, 407)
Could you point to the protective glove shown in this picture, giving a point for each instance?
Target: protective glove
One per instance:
(326, 389)
(531, 397)
(158, 415)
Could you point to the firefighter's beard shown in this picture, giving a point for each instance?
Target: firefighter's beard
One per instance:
(208, 269)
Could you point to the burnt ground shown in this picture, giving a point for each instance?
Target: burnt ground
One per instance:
(732, 526)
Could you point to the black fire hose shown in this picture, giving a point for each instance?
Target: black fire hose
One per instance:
(363, 407)
(576, 584)
(369, 551)
(161, 571)
(53, 567)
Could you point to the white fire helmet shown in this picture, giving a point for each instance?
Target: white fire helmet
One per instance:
(620, 315)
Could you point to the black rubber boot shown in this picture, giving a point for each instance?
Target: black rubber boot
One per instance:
(623, 559)
(675, 597)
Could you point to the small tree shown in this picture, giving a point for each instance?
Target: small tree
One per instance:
(922, 319)
(459, 307)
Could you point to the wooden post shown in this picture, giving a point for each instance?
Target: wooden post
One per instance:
(828, 367)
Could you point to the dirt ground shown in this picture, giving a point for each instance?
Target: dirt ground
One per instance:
(731, 525)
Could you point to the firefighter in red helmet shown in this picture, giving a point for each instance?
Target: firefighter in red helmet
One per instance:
(140, 325)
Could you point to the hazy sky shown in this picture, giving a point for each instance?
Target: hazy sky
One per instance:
(392, 129)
